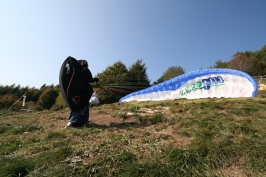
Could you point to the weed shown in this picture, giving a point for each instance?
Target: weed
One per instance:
(57, 154)
(24, 128)
(15, 166)
(4, 129)
(55, 135)
(8, 146)
(184, 133)
(154, 119)
(102, 112)
(33, 140)
(174, 109)
(132, 108)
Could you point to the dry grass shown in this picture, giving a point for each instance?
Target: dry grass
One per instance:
(206, 137)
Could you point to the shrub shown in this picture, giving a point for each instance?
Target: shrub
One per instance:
(47, 99)
(7, 100)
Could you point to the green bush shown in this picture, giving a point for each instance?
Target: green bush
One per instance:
(7, 100)
(47, 99)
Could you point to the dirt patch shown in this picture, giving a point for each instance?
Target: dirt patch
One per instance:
(110, 120)
(105, 119)
(95, 118)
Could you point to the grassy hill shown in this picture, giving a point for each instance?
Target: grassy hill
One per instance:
(205, 137)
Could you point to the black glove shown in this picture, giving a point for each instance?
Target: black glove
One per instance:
(96, 79)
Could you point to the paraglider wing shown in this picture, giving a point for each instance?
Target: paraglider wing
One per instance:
(66, 74)
(207, 83)
(75, 89)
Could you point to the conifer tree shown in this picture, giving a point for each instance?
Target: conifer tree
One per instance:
(111, 81)
(137, 76)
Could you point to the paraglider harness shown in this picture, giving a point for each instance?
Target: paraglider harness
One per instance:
(74, 83)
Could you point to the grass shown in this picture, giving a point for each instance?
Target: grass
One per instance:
(205, 137)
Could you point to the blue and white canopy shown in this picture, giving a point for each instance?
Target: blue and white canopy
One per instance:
(206, 83)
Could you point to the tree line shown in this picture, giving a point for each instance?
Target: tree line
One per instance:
(253, 63)
(117, 81)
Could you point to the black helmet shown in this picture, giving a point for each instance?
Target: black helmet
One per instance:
(83, 63)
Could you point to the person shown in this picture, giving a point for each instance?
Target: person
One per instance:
(81, 117)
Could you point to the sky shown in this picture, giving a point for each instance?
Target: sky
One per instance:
(37, 36)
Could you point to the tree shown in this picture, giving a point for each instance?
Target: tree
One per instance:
(59, 102)
(111, 81)
(261, 54)
(33, 94)
(244, 61)
(47, 98)
(170, 73)
(261, 57)
(137, 77)
(220, 64)
(7, 100)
